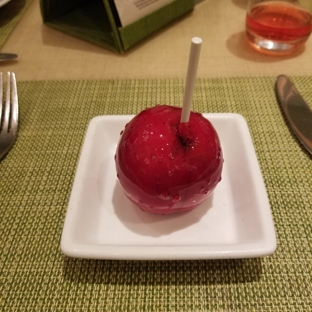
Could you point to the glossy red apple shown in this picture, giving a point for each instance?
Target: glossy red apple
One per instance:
(166, 166)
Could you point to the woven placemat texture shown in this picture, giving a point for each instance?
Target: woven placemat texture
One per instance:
(36, 181)
(10, 15)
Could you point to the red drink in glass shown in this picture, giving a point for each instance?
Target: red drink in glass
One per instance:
(277, 27)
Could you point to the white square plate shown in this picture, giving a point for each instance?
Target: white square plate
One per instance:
(101, 223)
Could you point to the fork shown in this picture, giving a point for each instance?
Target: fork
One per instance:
(8, 114)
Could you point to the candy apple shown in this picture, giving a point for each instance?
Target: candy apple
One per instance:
(166, 166)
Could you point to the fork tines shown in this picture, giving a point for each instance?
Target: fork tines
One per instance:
(8, 114)
(9, 109)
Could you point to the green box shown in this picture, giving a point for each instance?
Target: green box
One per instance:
(97, 21)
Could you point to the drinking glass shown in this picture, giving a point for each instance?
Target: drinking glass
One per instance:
(278, 27)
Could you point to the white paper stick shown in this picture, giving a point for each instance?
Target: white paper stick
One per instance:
(191, 78)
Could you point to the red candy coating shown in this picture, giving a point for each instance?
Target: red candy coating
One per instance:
(166, 166)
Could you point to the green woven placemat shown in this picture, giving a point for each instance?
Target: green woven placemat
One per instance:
(36, 179)
(10, 15)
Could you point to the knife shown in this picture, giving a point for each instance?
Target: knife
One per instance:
(296, 110)
(7, 56)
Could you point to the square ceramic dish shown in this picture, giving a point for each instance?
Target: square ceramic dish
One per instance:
(101, 223)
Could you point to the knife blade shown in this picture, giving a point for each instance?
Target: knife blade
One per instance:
(7, 56)
(296, 110)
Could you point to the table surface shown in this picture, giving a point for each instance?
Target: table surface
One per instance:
(63, 82)
(45, 53)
